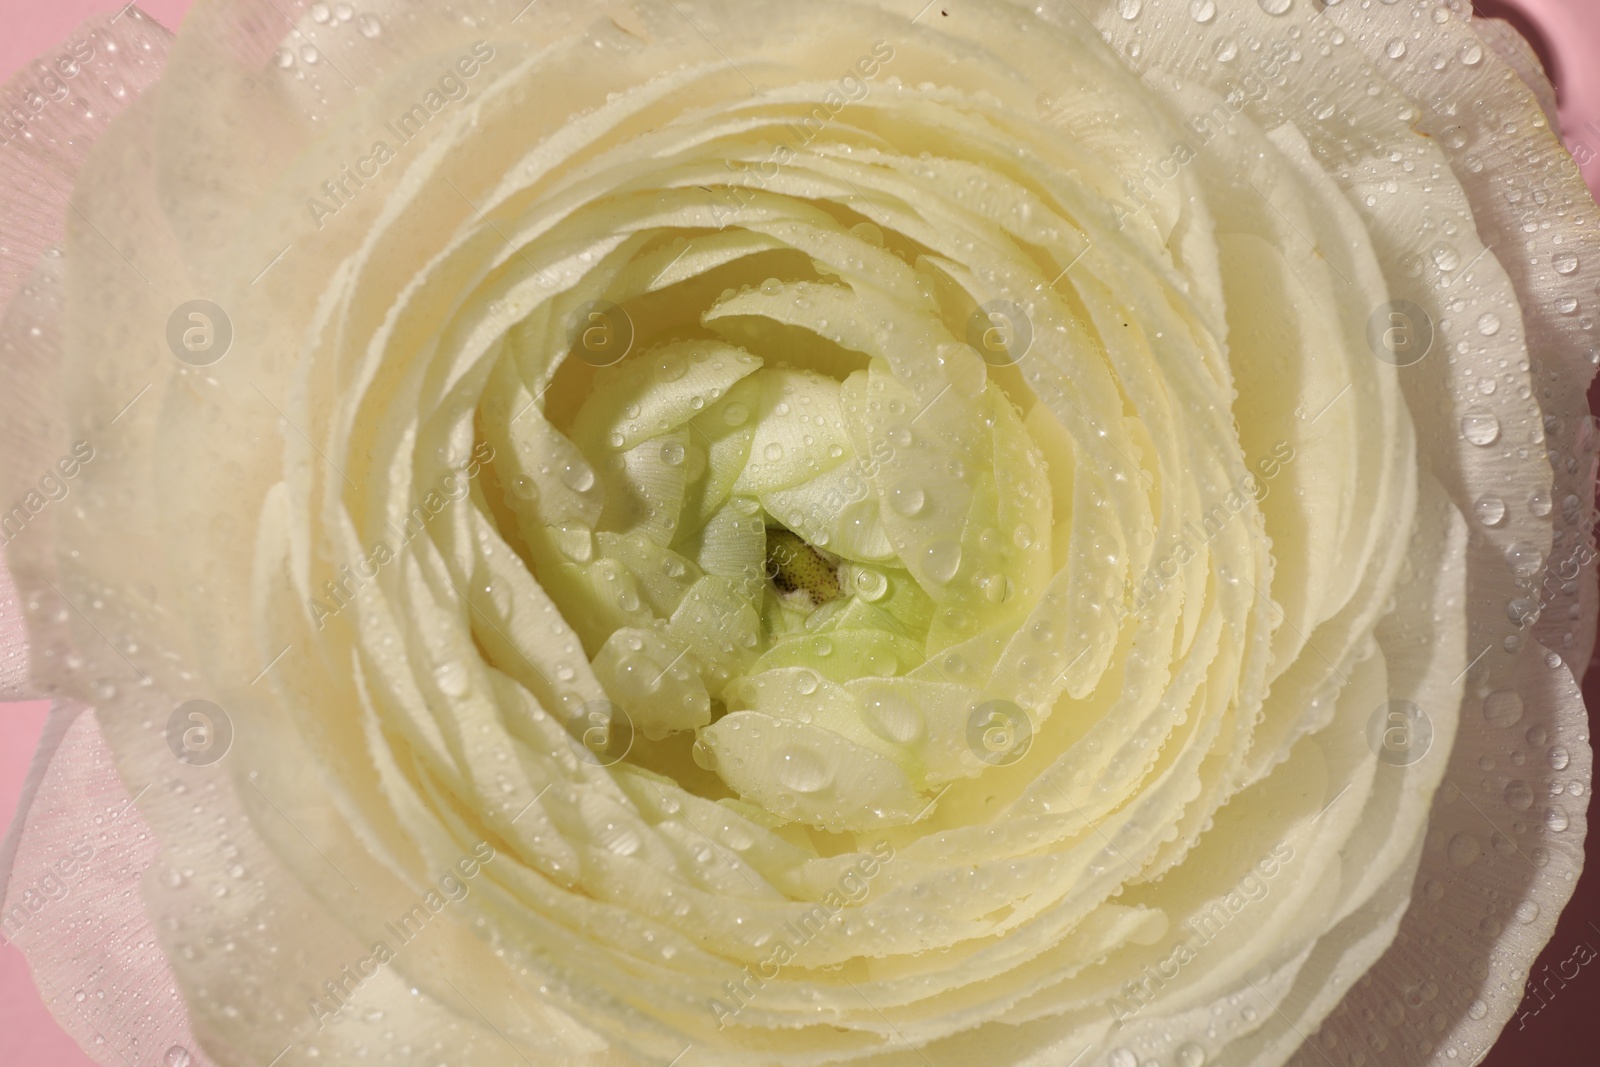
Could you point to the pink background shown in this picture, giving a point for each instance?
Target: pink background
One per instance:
(1565, 32)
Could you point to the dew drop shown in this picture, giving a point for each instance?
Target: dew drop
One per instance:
(1203, 11)
(1395, 49)
(892, 715)
(1129, 9)
(575, 540)
(369, 26)
(1559, 758)
(1488, 324)
(1519, 795)
(578, 476)
(942, 559)
(907, 500)
(672, 453)
(452, 678)
(1480, 427)
(1490, 510)
(801, 769)
(1464, 849)
(1524, 559)
(735, 415)
(1556, 819)
(1189, 1053)
(1503, 708)
(1564, 262)
(177, 1056)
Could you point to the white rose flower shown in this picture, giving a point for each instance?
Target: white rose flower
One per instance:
(754, 533)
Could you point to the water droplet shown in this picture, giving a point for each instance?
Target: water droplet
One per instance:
(806, 681)
(801, 769)
(773, 452)
(575, 540)
(1503, 708)
(1203, 11)
(1559, 758)
(1488, 324)
(1129, 9)
(1490, 510)
(452, 678)
(177, 1056)
(891, 715)
(1524, 560)
(671, 367)
(578, 476)
(1226, 50)
(1519, 795)
(1556, 819)
(1527, 911)
(1564, 262)
(907, 500)
(942, 559)
(1480, 427)
(672, 453)
(369, 26)
(870, 585)
(1121, 1057)
(1539, 502)
(320, 12)
(735, 414)
(1395, 49)
(1472, 54)
(1464, 849)
(1189, 1053)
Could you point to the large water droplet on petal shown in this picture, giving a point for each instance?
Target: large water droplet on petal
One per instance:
(801, 769)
